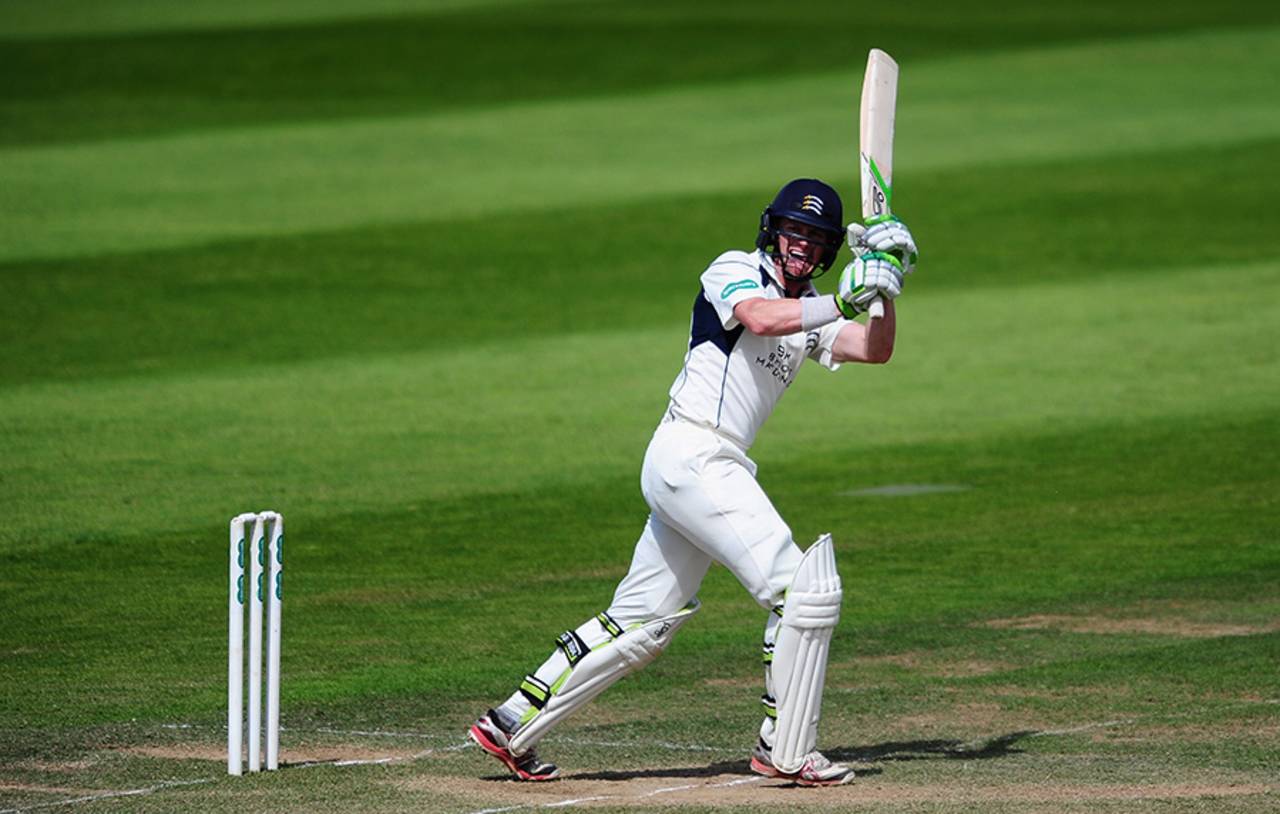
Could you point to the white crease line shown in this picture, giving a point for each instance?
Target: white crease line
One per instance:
(379, 761)
(373, 733)
(108, 795)
(377, 733)
(674, 747)
(558, 804)
(573, 801)
(669, 790)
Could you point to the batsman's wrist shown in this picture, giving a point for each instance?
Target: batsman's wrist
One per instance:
(818, 311)
(846, 309)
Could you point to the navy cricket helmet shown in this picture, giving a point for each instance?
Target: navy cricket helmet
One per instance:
(808, 201)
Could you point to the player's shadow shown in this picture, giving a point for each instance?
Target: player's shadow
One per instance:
(981, 749)
(712, 770)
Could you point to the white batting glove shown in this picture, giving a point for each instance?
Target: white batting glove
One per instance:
(884, 234)
(874, 274)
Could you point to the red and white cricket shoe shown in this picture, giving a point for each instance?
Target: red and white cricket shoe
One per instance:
(816, 770)
(494, 739)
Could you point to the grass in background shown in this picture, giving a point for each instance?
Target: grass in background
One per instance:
(450, 400)
(1203, 90)
(149, 81)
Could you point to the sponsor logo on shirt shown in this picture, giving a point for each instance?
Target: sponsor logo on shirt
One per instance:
(740, 285)
(779, 364)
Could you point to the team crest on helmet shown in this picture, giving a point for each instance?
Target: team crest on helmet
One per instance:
(811, 203)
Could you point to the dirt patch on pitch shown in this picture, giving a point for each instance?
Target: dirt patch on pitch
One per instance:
(961, 721)
(1153, 626)
(692, 785)
(59, 766)
(1065, 694)
(33, 788)
(928, 663)
(327, 753)
(1211, 733)
(873, 792)
(674, 788)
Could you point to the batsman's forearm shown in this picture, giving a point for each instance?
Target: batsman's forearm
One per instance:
(881, 333)
(769, 317)
(871, 343)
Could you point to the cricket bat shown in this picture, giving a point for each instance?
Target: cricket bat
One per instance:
(875, 142)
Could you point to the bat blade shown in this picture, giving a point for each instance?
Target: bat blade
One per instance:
(875, 141)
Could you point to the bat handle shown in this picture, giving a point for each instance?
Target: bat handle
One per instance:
(876, 311)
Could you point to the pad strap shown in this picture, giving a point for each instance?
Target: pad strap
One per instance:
(610, 626)
(574, 648)
(535, 690)
(770, 706)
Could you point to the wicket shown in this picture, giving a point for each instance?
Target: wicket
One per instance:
(261, 575)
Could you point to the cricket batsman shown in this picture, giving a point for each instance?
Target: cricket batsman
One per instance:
(756, 318)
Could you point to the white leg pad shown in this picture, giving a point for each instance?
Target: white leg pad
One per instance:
(809, 618)
(598, 670)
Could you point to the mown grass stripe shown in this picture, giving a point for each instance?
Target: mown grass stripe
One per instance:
(424, 60)
(1008, 108)
(72, 18)
(82, 456)
(153, 312)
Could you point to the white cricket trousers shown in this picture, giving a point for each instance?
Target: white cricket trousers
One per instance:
(705, 506)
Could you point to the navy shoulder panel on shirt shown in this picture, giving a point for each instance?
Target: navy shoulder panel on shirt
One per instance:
(707, 328)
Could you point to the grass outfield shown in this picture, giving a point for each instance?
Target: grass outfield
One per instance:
(420, 277)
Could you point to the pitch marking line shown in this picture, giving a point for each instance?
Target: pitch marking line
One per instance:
(573, 801)
(169, 784)
(381, 733)
(372, 733)
(673, 747)
(107, 795)
(377, 761)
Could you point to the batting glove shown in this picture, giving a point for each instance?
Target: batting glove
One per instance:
(874, 274)
(884, 234)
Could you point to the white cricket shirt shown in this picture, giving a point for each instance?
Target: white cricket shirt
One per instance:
(732, 379)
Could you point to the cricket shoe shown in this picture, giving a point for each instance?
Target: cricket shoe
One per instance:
(816, 770)
(494, 739)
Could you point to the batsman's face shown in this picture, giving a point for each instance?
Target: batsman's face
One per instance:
(800, 246)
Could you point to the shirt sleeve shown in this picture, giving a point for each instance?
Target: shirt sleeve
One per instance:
(731, 278)
(820, 344)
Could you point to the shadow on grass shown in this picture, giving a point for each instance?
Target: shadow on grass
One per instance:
(983, 749)
(711, 770)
